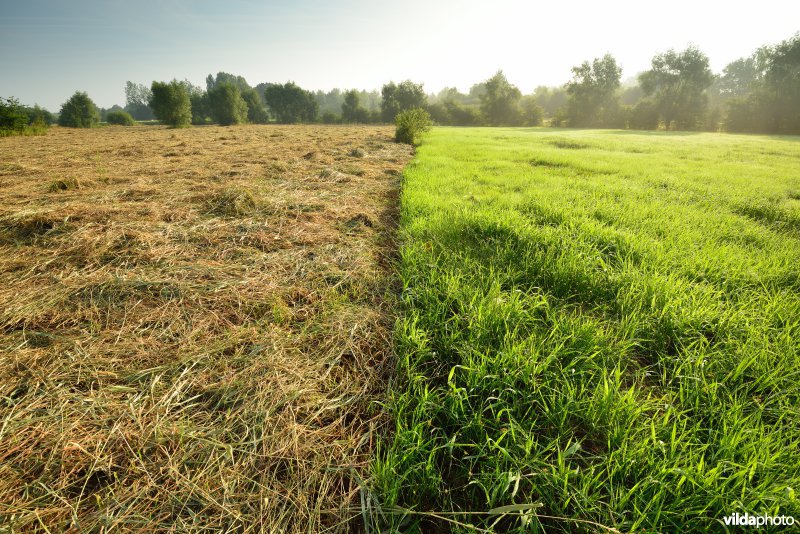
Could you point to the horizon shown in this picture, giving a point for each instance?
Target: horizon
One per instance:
(96, 47)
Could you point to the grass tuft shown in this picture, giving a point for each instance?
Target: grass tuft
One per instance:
(233, 202)
(64, 184)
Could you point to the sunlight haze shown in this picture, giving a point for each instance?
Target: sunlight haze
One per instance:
(51, 49)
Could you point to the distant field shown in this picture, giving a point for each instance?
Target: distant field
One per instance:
(193, 325)
(603, 325)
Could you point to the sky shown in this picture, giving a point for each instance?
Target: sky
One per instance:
(49, 48)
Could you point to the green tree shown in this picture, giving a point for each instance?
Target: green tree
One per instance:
(401, 97)
(550, 98)
(352, 110)
(500, 101)
(79, 112)
(764, 90)
(256, 111)
(290, 103)
(170, 103)
(226, 104)
(531, 112)
(677, 83)
(39, 115)
(781, 88)
(592, 94)
(137, 101)
(226, 78)
(13, 118)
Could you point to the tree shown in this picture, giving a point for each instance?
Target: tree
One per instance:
(226, 104)
(256, 111)
(137, 99)
(352, 111)
(223, 78)
(500, 101)
(781, 88)
(39, 115)
(290, 103)
(765, 89)
(79, 112)
(13, 118)
(592, 94)
(676, 83)
(170, 103)
(400, 97)
(742, 76)
(550, 98)
(531, 112)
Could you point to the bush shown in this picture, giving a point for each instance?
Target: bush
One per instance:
(411, 124)
(13, 118)
(170, 103)
(122, 118)
(79, 112)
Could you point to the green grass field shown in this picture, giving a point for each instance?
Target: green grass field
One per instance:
(603, 326)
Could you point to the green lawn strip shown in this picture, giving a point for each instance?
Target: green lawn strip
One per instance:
(602, 324)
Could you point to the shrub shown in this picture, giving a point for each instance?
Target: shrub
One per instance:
(411, 124)
(39, 116)
(13, 118)
(122, 118)
(79, 112)
(170, 103)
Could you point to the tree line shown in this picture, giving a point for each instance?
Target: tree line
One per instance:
(758, 93)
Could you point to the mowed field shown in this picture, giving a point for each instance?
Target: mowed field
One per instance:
(601, 331)
(194, 325)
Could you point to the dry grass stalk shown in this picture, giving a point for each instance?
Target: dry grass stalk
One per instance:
(193, 338)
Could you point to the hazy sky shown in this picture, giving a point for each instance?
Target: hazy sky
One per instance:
(49, 48)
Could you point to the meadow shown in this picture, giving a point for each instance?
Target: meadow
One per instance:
(224, 329)
(195, 326)
(600, 332)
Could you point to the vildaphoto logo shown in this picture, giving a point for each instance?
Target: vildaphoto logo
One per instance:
(750, 520)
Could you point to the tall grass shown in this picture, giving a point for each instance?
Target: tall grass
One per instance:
(600, 331)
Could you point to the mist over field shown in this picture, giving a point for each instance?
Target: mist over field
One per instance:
(399, 267)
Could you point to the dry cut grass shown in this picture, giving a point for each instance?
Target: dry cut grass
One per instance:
(194, 325)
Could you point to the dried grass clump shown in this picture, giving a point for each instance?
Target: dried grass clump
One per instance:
(233, 202)
(165, 368)
(63, 184)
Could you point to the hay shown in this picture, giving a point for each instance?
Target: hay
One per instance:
(195, 342)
